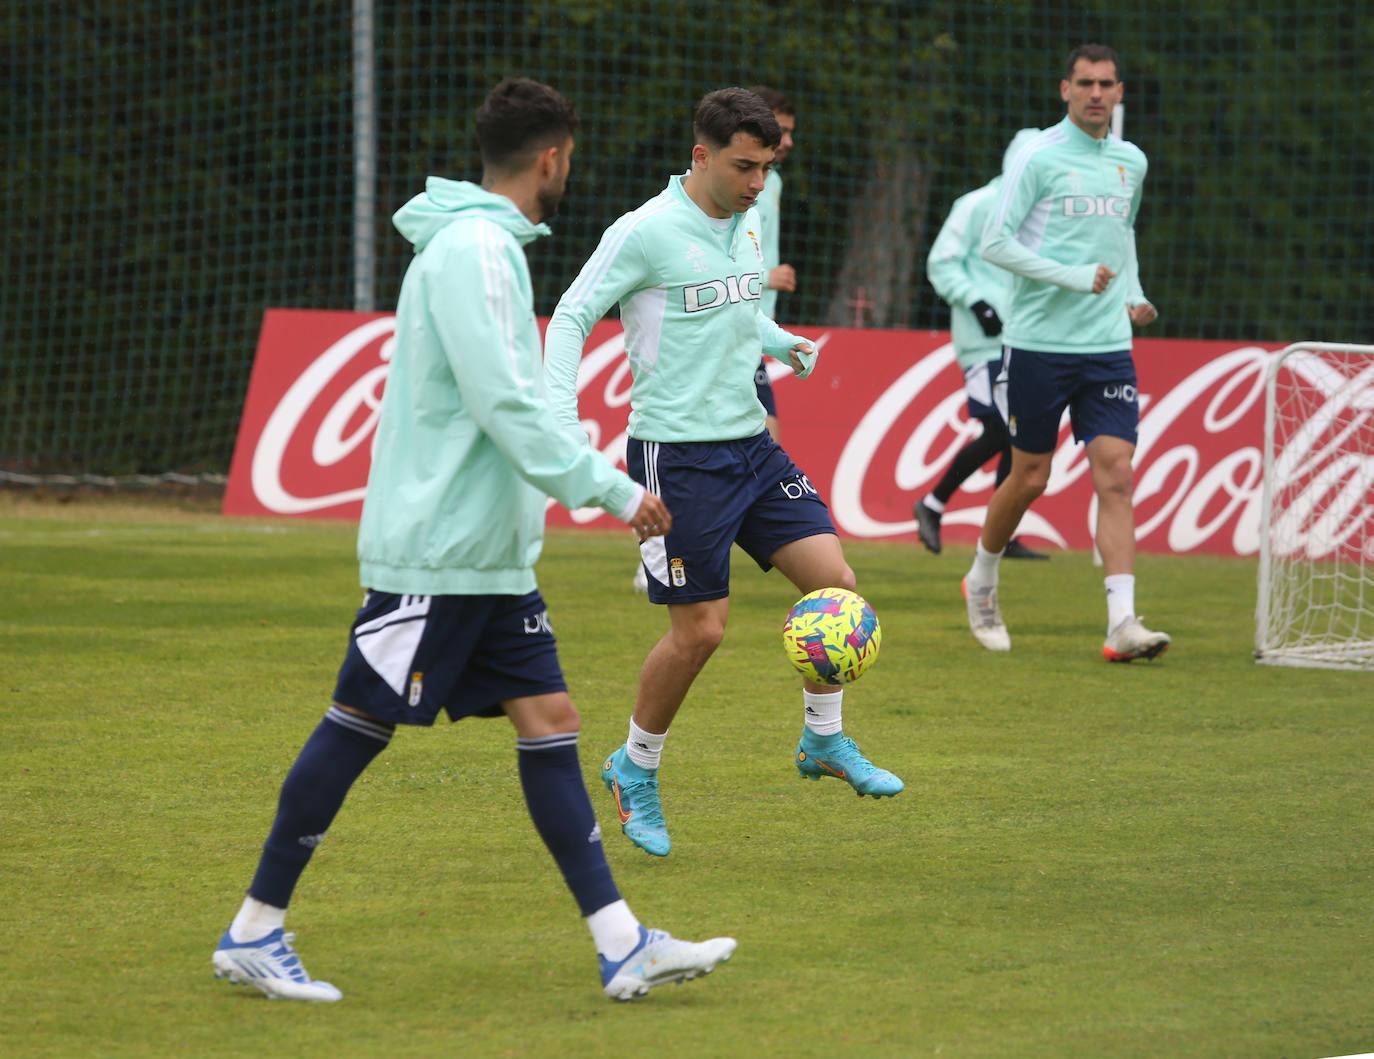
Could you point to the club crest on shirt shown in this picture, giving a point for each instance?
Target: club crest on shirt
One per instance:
(755, 240)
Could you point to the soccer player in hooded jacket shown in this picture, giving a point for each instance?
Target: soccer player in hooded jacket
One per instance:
(453, 521)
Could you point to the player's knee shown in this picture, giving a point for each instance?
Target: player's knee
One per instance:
(845, 579)
(700, 640)
(1115, 480)
(1031, 479)
(544, 715)
(562, 715)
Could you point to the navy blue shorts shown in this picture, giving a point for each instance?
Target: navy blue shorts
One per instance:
(764, 387)
(746, 492)
(978, 386)
(411, 656)
(1098, 389)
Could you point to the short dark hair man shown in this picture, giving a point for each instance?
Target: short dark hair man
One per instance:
(687, 271)
(452, 525)
(1064, 223)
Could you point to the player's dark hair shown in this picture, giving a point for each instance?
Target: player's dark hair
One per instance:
(777, 101)
(1094, 53)
(520, 117)
(726, 111)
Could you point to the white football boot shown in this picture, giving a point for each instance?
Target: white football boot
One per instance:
(985, 616)
(658, 959)
(1131, 640)
(272, 967)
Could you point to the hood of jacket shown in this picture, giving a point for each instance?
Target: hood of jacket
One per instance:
(445, 201)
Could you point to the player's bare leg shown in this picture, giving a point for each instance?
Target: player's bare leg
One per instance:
(1109, 459)
(1030, 473)
(824, 750)
(695, 630)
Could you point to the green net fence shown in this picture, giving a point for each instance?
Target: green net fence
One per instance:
(177, 167)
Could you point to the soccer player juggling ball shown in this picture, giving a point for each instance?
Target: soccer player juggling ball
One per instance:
(452, 525)
(1064, 223)
(686, 268)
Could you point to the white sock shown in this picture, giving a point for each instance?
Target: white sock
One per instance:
(938, 506)
(615, 930)
(984, 569)
(645, 749)
(256, 920)
(823, 711)
(1120, 598)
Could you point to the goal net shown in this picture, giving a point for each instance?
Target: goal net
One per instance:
(1316, 577)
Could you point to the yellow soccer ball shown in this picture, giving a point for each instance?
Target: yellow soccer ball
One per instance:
(831, 636)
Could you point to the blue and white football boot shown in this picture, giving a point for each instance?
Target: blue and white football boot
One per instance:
(271, 966)
(658, 959)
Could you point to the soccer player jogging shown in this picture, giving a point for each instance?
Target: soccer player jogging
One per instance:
(977, 293)
(1064, 223)
(453, 522)
(687, 271)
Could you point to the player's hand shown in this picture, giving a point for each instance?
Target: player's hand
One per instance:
(1102, 279)
(803, 357)
(784, 278)
(1142, 314)
(652, 519)
(987, 318)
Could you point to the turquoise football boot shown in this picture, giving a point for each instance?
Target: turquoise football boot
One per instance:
(635, 791)
(839, 756)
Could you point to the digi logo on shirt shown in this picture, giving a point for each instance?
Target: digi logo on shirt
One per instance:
(1096, 206)
(703, 297)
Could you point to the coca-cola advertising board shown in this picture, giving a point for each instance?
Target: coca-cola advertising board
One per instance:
(874, 428)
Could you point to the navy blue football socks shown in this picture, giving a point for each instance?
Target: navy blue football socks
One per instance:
(333, 757)
(562, 814)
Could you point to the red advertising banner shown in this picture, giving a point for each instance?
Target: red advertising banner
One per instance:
(874, 428)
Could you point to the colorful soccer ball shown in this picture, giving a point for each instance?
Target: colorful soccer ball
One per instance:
(831, 636)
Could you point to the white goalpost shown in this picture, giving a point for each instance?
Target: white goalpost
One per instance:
(1316, 571)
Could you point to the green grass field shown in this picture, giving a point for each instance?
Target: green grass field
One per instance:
(1156, 860)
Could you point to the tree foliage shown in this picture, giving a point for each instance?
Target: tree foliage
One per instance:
(177, 166)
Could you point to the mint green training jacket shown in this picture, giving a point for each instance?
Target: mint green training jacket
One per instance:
(769, 205)
(688, 287)
(961, 276)
(1068, 203)
(466, 447)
